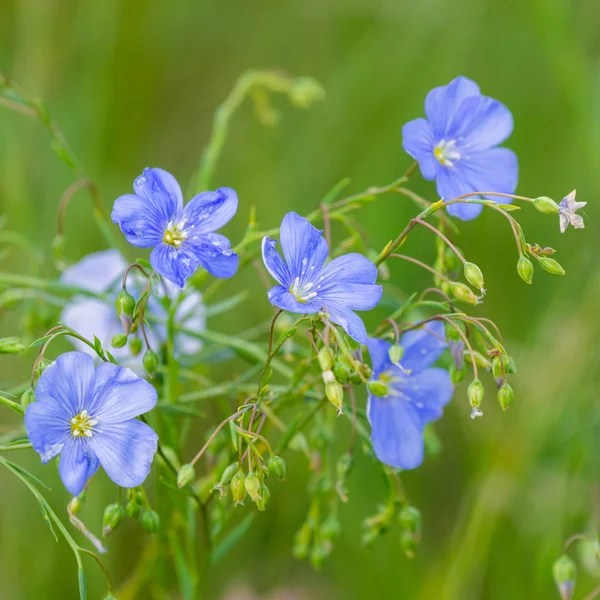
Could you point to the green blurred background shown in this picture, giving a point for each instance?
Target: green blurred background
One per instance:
(135, 83)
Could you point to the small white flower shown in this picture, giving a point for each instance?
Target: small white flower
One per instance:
(567, 209)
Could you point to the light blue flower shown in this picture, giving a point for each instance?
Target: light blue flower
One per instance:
(87, 415)
(308, 285)
(457, 145)
(183, 238)
(417, 395)
(102, 273)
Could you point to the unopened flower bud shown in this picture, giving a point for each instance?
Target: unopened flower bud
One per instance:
(525, 269)
(325, 359)
(456, 374)
(238, 487)
(132, 509)
(263, 499)
(396, 352)
(475, 393)
(113, 515)
(135, 346)
(546, 205)
(474, 275)
(506, 395)
(511, 365)
(119, 340)
(11, 345)
(462, 292)
(378, 387)
(565, 572)
(497, 370)
(305, 91)
(150, 521)
(276, 466)
(228, 473)
(341, 372)
(150, 362)
(481, 361)
(335, 394)
(27, 397)
(551, 266)
(125, 304)
(185, 475)
(253, 486)
(75, 505)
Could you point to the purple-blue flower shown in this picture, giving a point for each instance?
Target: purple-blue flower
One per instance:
(87, 415)
(183, 238)
(308, 285)
(457, 145)
(417, 395)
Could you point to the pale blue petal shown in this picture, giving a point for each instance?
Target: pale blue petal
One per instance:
(209, 211)
(98, 272)
(422, 347)
(175, 264)
(274, 263)
(351, 323)
(428, 391)
(214, 253)
(450, 185)
(48, 428)
(140, 220)
(119, 395)
(396, 432)
(282, 298)
(354, 296)
(353, 267)
(77, 464)
(125, 451)
(418, 140)
(161, 189)
(380, 358)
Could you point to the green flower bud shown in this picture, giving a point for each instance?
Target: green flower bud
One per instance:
(334, 392)
(325, 359)
(263, 500)
(132, 509)
(150, 362)
(525, 269)
(462, 292)
(546, 205)
(238, 487)
(150, 521)
(551, 266)
(119, 340)
(228, 473)
(135, 346)
(11, 345)
(451, 332)
(113, 515)
(511, 365)
(497, 371)
(185, 475)
(27, 397)
(253, 486)
(75, 505)
(457, 375)
(396, 352)
(378, 387)
(506, 395)
(341, 372)
(125, 303)
(475, 393)
(276, 466)
(565, 572)
(410, 519)
(474, 275)
(481, 361)
(305, 91)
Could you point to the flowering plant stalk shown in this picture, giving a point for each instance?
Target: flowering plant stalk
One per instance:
(142, 372)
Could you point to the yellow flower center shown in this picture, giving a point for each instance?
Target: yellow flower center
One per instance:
(446, 153)
(303, 293)
(82, 424)
(174, 234)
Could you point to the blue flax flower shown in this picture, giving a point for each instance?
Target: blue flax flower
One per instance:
(183, 238)
(456, 144)
(417, 395)
(87, 415)
(102, 273)
(339, 287)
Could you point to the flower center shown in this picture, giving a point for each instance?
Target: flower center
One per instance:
(175, 234)
(302, 293)
(446, 152)
(81, 424)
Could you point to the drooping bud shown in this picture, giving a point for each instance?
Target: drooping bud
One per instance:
(341, 372)
(551, 266)
(474, 275)
(113, 515)
(506, 395)
(263, 500)
(253, 486)
(238, 487)
(462, 292)
(511, 365)
(228, 474)
(185, 475)
(456, 374)
(276, 466)
(27, 397)
(150, 521)
(475, 393)
(305, 91)
(75, 505)
(150, 362)
(132, 509)
(125, 304)
(565, 572)
(325, 359)
(135, 346)
(525, 269)
(378, 387)
(334, 392)
(119, 340)
(546, 205)
(396, 352)
(497, 370)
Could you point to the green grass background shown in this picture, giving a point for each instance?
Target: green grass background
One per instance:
(134, 83)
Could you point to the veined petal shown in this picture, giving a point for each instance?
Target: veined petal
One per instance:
(142, 222)
(77, 464)
(442, 103)
(422, 347)
(303, 245)
(429, 391)
(353, 267)
(97, 272)
(418, 140)
(380, 358)
(355, 296)
(351, 323)
(396, 432)
(161, 189)
(213, 251)
(274, 263)
(282, 298)
(175, 264)
(450, 184)
(125, 451)
(209, 211)
(68, 381)
(48, 428)
(119, 395)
